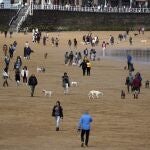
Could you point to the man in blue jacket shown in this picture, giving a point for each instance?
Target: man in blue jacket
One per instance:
(84, 126)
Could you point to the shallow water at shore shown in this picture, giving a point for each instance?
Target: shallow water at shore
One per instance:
(138, 55)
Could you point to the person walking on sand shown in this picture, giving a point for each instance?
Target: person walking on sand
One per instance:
(5, 49)
(17, 76)
(5, 76)
(57, 112)
(65, 83)
(104, 48)
(84, 67)
(84, 127)
(24, 74)
(88, 68)
(32, 82)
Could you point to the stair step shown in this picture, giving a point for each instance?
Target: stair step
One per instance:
(15, 22)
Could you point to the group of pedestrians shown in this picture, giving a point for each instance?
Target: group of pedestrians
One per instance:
(84, 124)
(75, 43)
(20, 73)
(91, 39)
(133, 82)
(86, 67)
(71, 58)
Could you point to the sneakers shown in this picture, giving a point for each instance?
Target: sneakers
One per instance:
(82, 144)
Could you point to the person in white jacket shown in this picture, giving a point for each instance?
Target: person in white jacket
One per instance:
(5, 76)
(24, 74)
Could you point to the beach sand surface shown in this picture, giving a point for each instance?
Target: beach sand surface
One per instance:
(26, 122)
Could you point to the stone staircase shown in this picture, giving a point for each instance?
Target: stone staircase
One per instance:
(20, 17)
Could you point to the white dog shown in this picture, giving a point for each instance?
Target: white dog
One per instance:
(74, 64)
(40, 69)
(143, 41)
(47, 93)
(95, 94)
(74, 83)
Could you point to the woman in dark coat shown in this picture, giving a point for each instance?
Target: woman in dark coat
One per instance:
(17, 76)
(57, 112)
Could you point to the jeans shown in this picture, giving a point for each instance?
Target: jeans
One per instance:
(86, 133)
(32, 90)
(66, 88)
(57, 118)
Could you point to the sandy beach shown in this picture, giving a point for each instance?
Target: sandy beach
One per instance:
(119, 124)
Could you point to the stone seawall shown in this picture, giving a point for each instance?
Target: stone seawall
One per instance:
(53, 20)
(5, 17)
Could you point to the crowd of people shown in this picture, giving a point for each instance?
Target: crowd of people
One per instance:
(82, 59)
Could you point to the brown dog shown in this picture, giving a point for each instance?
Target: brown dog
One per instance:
(147, 84)
(123, 95)
(45, 55)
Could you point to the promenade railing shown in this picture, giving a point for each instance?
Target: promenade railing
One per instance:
(92, 9)
(10, 6)
(80, 8)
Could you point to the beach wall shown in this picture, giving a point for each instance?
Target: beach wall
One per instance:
(5, 17)
(53, 20)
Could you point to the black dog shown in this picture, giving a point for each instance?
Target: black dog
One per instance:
(147, 84)
(123, 95)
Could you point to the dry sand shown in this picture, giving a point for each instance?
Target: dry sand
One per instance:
(26, 122)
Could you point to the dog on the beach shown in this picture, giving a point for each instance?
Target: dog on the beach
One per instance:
(47, 93)
(74, 64)
(147, 84)
(94, 94)
(98, 59)
(143, 41)
(40, 69)
(45, 55)
(135, 34)
(125, 67)
(123, 95)
(135, 94)
(74, 83)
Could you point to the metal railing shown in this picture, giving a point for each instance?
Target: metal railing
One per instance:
(23, 18)
(10, 6)
(14, 17)
(92, 9)
(80, 8)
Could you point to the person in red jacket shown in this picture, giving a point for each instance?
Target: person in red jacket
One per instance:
(136, 84)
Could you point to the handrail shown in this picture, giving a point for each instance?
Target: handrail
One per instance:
(10, 6)
(101, 9)
(92, 9)
(14, 16)
(23, 18)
